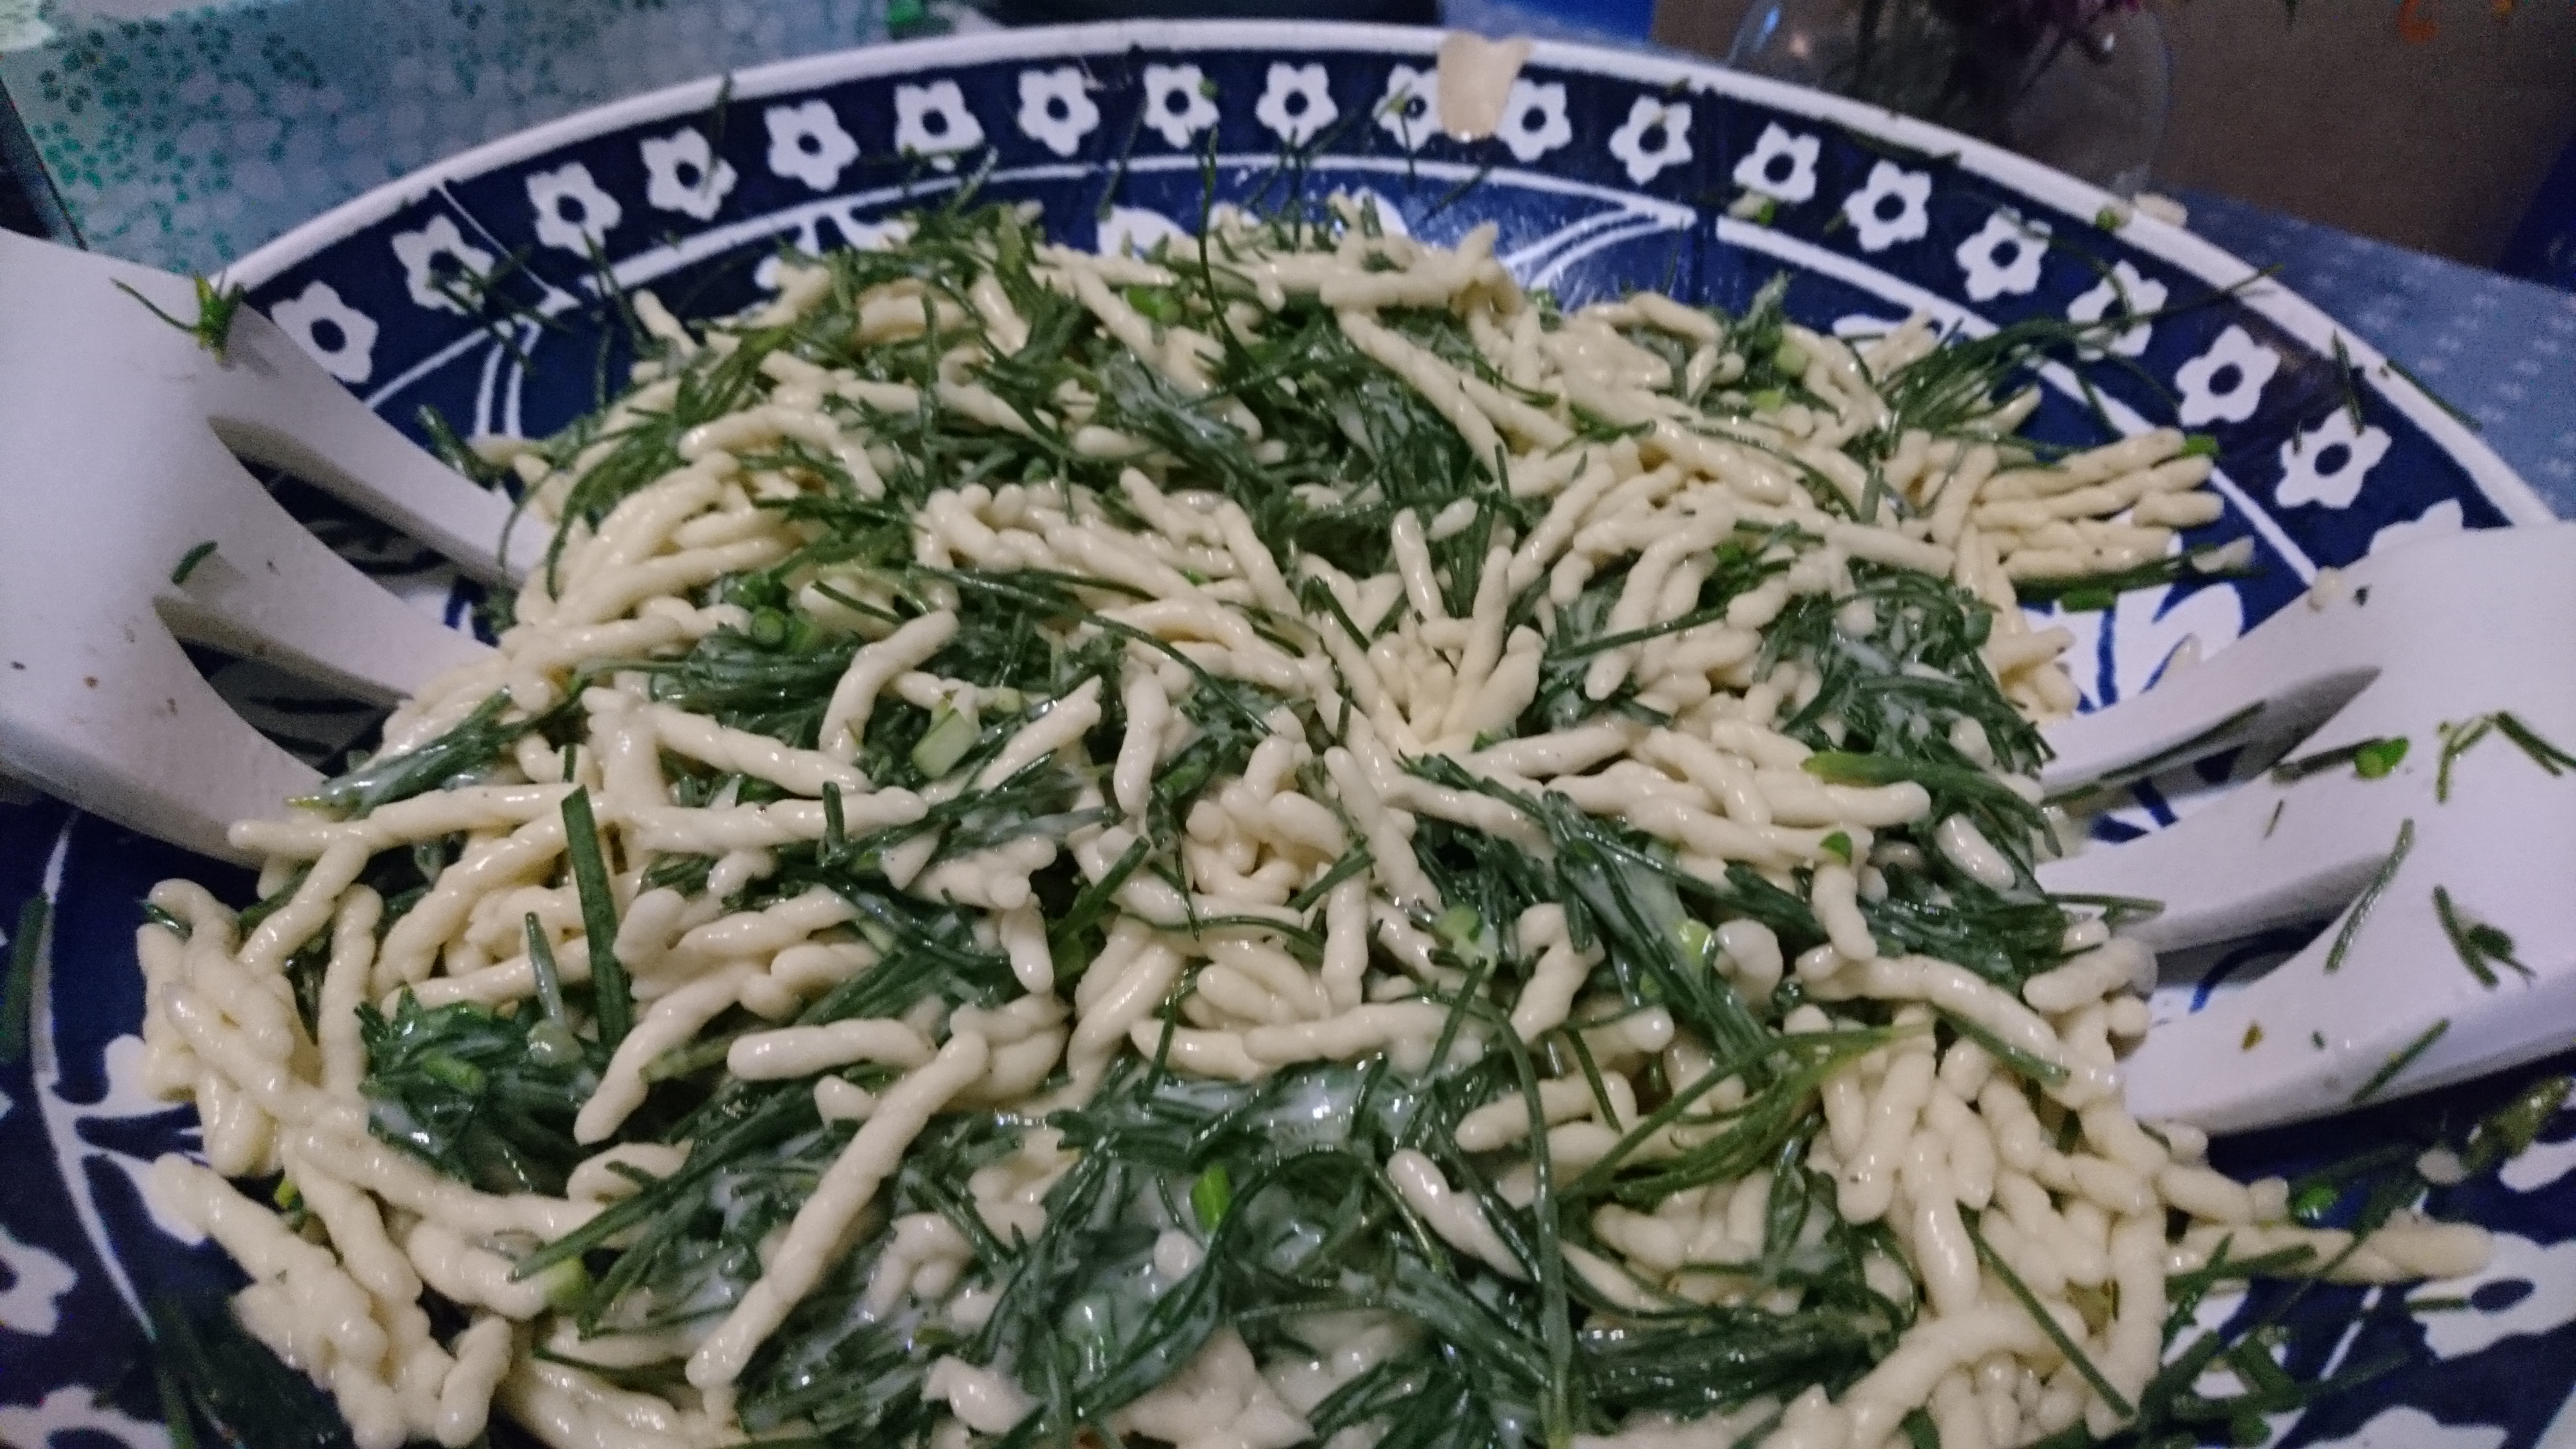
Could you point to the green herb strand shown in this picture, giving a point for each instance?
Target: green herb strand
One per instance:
(2359, 912)
(612, 1000)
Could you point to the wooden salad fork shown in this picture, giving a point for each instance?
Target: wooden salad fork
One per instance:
(2429, 804)
(121, 440)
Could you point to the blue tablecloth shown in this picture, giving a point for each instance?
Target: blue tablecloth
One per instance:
(188, 140)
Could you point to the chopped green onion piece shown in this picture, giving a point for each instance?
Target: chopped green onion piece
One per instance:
(1699, 943)
(552, 1044)
(564, 1283)
(2379, 758)
(1838, 845)
(951, 734)
(1211, 1195)
(2372, 759)
(1456, 924)
(1463, 932)
(456, 1072)
(1157, 303)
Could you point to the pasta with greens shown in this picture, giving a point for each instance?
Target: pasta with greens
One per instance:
(1278, 843)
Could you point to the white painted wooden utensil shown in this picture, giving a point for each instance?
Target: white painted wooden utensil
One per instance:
(2467, 637)
(119, 437)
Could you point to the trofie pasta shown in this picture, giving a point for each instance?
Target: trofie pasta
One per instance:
(1278, 843)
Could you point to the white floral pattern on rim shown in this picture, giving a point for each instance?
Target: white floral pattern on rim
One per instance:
(331, 332)
(807, 143)
(2004, 257)
(74, 1409)
(573, 213)
(1297, 102)
(2225, 384)
(1666, 124)
(1056, 109)
(1781, 166)
(1874, 224)
(2127, 293)
(1177, 103)
(932, 122)
(682, 173)
(1534, 120)
(2328, 463)
(1410, 111)
(32, 1303)
(436, 260)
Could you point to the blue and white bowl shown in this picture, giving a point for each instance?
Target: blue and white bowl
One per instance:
(474, 288)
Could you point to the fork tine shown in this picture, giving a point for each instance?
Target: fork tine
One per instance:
(265, 396)
(273, 591)
(2397, 1009)
(272, 403)
(115, 475)
(127, 729)
(2439, 630)
(2263, 855)
(2292, 671)
(2446, 613)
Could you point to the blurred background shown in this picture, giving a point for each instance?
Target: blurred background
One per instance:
(2431, 125)
(189, 134)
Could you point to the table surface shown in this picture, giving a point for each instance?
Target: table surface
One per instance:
(187, 140)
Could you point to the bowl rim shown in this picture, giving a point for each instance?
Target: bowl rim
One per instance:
(2276, 303)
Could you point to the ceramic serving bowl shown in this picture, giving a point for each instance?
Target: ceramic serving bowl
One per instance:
(475, 288)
